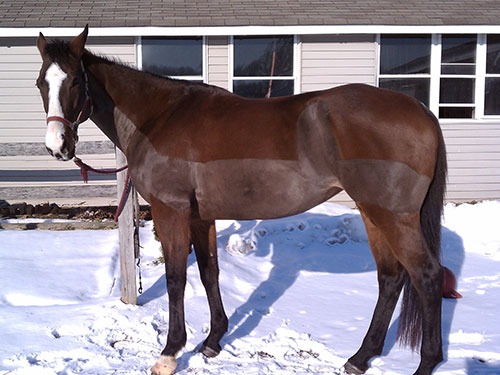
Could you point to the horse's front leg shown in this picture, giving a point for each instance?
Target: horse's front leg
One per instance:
(203, 237)
(172, 226)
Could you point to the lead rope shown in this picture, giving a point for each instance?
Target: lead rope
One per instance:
(84, 172)
(137, 244)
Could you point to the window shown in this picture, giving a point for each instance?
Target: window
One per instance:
(492, 83)
(457, 76)
(458, 70)
(179, 57)
(263, 66)
(405, 65)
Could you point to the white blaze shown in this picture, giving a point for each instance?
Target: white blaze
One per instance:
(54, 137)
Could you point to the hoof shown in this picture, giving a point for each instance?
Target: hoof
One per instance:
(349, 368)
(165, 365)
(209, 352)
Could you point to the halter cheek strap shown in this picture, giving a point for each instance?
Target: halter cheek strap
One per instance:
(74, 125)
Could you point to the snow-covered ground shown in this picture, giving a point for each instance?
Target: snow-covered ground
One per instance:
(299, 293)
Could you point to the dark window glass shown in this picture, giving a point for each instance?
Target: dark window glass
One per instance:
(415, 87)
(456, 112)
(493, 54)
(492, 96)
(253, 56)
(458, 54)
(260, 88)
(172, 56)
(405, 54)
(457, 90)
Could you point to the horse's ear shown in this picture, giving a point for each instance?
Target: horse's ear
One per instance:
(41, 43)
(78, 44)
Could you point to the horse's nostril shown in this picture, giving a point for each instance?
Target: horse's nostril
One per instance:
(58, 156)
(50, 151)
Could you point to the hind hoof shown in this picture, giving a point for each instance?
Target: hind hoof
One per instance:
(349, 368)
(165, 365)
(209, 352)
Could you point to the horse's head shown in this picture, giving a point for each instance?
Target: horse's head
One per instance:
(64, 89)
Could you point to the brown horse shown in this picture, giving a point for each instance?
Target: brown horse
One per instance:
(198, 153)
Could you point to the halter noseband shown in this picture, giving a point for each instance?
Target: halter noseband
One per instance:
(74, 125)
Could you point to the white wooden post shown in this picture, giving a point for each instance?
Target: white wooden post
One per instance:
(126, 237)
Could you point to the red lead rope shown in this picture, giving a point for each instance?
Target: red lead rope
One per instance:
(84, 172)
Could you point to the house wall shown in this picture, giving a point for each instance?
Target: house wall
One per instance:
(28, 172)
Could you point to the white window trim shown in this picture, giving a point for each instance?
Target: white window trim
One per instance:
(296, 66)
(435, 77)
(204, 63)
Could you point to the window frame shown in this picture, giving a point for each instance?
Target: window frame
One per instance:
(435, 76)
(204, 56)
(295, 77)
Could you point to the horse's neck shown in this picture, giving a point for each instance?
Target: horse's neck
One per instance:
(125, 94)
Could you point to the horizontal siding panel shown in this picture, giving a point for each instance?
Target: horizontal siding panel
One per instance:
(19, 91)
(20, 75)
(458, 179)
(334, 70)
(18, 107)
(451, 148)
(474, 156)
(340, 54)
(48, 162)
(17, 83)
(457, 164)
(333, 78)
(218, 69)
(31, 99)
(17, 116)
(473, 140)
(218, 61)
(70, 183)
(478, 132)
(217, 52)
(468, 196)
(21, 66)
(472, 172)
(473, 187)
(26, 58)
(368, 63)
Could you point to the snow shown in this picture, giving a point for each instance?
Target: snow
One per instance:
(299, 293)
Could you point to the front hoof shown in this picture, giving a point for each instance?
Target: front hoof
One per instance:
(209, 352)
(165, 365)
(349, 368)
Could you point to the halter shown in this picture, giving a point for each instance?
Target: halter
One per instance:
(74, 125)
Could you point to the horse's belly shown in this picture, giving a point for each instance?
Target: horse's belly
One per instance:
(259, 189)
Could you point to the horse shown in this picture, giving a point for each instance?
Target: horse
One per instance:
(198, 153)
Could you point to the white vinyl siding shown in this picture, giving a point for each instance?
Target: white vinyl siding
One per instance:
(473, 160)
(218, 61)
(333, 60)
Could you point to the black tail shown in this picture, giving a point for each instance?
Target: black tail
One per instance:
(410, 320)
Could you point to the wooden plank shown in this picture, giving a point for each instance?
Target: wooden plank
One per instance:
(47, 193)
(74, 225)
(126, 239)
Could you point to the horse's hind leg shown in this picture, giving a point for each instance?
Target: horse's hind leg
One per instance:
(172, 227)
(203, 237)
(390, 278)
(420, 321)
